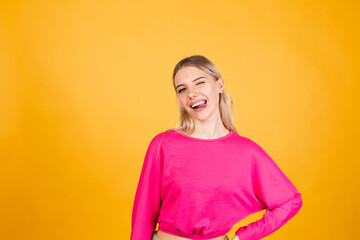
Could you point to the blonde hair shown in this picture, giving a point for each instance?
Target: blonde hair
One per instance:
(225, 102)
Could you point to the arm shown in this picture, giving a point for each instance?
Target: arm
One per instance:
(275, 192)
(271, 221)
(147, 198)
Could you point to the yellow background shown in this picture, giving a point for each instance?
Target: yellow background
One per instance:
(85, 85)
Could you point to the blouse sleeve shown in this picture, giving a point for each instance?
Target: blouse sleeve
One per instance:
(274, 192)
(147, 200)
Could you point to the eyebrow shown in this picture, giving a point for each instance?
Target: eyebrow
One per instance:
(192, 80)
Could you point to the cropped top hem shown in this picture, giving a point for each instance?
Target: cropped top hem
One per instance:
(174, 231)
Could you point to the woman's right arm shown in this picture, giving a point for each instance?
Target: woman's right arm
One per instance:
(147, 198)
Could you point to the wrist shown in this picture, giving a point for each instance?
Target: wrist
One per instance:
(235, 238)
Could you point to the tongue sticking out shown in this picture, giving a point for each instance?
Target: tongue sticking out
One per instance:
(201, 106)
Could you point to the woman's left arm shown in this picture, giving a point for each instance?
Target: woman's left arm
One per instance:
(271, 221)
(275, 192)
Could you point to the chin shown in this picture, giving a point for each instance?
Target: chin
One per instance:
(202, 117)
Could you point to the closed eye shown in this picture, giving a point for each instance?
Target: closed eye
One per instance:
(185, 88)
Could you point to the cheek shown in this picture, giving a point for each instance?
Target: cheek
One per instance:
(182, 101)
(205, 90)
(213, 95)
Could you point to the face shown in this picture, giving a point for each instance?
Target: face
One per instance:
(193, 85)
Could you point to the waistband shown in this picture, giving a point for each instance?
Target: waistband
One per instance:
(155, 237)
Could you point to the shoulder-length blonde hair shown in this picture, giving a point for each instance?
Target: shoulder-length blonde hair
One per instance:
(225, 104)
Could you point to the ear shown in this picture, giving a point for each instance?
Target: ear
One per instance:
(220, 85)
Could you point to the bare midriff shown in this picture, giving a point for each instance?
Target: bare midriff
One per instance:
(166, 236)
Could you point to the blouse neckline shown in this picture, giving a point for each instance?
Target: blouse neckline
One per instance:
(204, 140)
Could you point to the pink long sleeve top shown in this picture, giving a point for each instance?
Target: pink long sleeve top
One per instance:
(199, 188)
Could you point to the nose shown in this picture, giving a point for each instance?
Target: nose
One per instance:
(192, 92)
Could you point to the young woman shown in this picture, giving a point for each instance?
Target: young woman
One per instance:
(201, 178)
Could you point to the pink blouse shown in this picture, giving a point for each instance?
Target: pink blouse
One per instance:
(199, 188)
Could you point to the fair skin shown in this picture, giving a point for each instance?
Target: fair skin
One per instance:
(208, 123)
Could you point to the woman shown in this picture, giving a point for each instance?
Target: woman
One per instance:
(201, 178)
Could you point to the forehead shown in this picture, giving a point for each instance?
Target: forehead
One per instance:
(189, 73)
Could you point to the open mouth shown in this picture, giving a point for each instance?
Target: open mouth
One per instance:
(200, 105)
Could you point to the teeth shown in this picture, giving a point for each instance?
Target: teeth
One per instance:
(198, 103)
